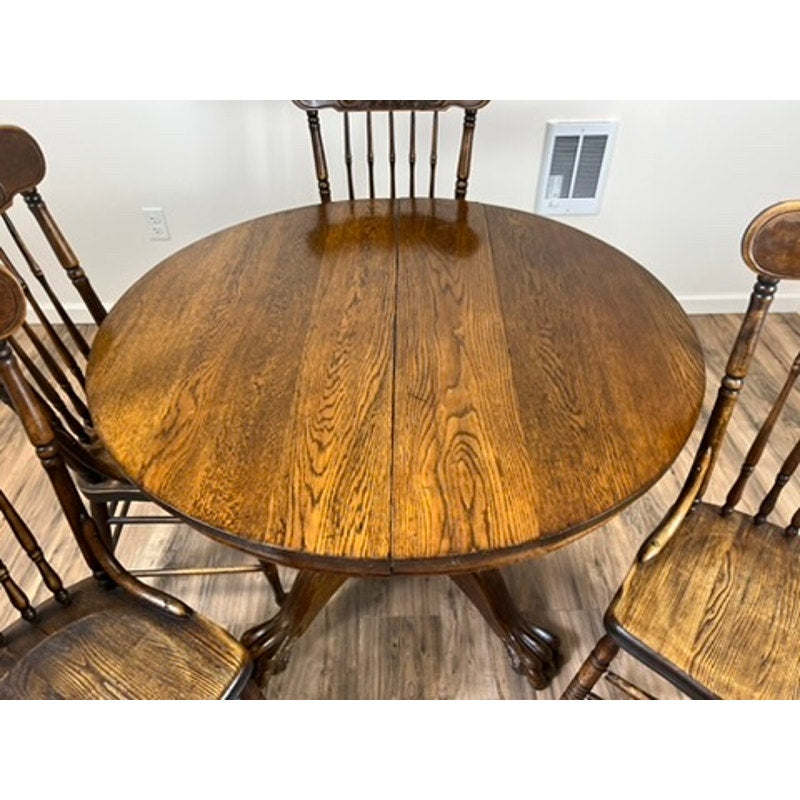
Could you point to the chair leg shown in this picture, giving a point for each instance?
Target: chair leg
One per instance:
(592, 670)
(251, 691)
(99, 513)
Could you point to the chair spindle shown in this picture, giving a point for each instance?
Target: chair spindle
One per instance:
(412, 153)
(32, 549)
(64, 254)
(370, 157)
(794, 525)
(58, 375)
(434, 153)
(392, 158)
(16, 596)
(36, 270)
(58, 343)
(60, 350)
(320, 164)
(51, 395)
(759, 443)
(787, 469)
(41, 437)
(626, 687)
(466, 152)
(348, 157)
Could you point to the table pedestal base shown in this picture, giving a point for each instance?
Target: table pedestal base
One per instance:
(270, 643)
(534, 652)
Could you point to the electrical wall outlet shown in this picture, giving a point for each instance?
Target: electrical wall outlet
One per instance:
(156, 223)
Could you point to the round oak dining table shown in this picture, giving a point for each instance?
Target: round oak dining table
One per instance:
(387, 387)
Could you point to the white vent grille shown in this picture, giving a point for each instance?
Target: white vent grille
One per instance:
(574, 167)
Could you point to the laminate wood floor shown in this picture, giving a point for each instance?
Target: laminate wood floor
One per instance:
(419, 637)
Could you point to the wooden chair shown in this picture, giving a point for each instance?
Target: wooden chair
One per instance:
(54, 355)
(108, 636)
(710, 602)
(416, 109)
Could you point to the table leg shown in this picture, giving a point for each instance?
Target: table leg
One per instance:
(271, 573)
(270, 642)
(534, 651)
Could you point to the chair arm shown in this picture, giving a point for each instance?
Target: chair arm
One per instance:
(656, 541)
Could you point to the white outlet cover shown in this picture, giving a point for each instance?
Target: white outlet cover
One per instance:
(156, 223)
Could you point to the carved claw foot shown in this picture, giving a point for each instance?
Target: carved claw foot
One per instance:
(534, 651)
(270, 642)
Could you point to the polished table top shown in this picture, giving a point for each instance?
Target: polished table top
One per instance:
(379, 387)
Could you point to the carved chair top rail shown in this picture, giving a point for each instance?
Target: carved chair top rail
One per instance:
(771, 243)
(388, 105)
(22, 165)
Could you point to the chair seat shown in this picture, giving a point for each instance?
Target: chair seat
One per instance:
(721, 605)
(108, 645)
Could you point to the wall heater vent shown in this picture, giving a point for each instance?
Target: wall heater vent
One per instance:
(574, 167)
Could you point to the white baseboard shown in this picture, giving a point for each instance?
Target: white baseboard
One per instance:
(734, 303)
(77, 311)
(731, 303)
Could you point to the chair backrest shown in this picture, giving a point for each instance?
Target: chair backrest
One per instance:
(771, 248)
(42, 437)
(390, 109)
(53, 355)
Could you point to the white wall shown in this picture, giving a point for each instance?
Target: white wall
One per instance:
(685, 179)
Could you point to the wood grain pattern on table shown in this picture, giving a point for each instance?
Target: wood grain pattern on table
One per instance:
(264, 378)
(606, 366)
(407, 386)
(463, 476)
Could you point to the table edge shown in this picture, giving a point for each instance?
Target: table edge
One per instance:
(438, 565)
